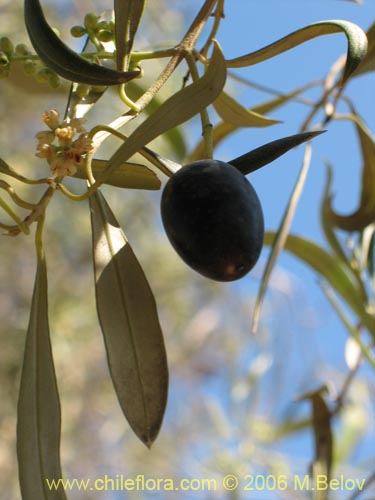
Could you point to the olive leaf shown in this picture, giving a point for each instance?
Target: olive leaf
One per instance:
(281, 235)
(127, 17)
(57, 56)
(323, 438)
(368, 63)
(332, 270)
(365, 214)
(357, 44)
(257, 158)
(127, 175)
(177, 109)
(232, 112)
(39, 421)
(130, 325)
(223, 129)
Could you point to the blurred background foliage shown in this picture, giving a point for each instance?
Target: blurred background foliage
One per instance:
(232, 401)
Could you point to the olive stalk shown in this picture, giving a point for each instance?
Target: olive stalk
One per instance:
(205, 120)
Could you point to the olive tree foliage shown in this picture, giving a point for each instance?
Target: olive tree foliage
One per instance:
(94, 145)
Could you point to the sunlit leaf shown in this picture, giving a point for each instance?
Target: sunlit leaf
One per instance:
(326, 220)
(57, 56)
(365, 214)
(281, 236)
(232, 112)
(257, 158)
(177, 109)
(353, 331)
(128, 175)
(368, 63)
(130, 325)
(127, 17)
(38, 424)
(357, 44)
(223, 129)
(282, 99)
(331, 269)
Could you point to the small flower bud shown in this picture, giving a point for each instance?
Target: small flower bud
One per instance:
(29, 67)
(6, 46)
(78, 31)
(21, 50)
(51, 118)
(64, 135)
(83, 90)
(91, 20)
(105, 36)
(54, 81)
(4, 60)
(42, 75)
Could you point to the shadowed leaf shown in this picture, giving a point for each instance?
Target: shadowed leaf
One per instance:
(177, 109)
(130, 325)
(323, 440)
(57, 56)
(38, 424)
(332, 270)
(357, 44)
(257, 158)
(128, 175)
(127, 17)
(232, 112)
(365, 214)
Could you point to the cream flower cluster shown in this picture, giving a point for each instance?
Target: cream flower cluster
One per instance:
(58, 145)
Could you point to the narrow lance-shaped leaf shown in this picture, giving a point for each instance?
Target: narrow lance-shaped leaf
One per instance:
(365, 214)
(232, 112)
(323, 439)
(368, 63)
(128, 175)
(329, 232)
(223, 129)
(127, 17)
(177, 109)
(281, 236)
(129, 321)
(57, 56)
(257, 158)
(332, 270)
(357, 44)
(38, 424)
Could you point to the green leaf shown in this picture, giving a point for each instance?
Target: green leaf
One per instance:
(357, 44)
(57, 56)
(38, 424)
(365, 213)
(223, 129)
(177, 109)
(127, 18)
(257, 158)
(128, 175)
(232, 112)
(332, 270)
(323, 438)
(281, 236)
(129, 321)
(368, 63)
(282, 99)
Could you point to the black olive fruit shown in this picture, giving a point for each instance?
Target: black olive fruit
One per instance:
(213, 218)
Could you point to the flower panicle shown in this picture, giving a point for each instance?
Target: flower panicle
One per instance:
(59, 145)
